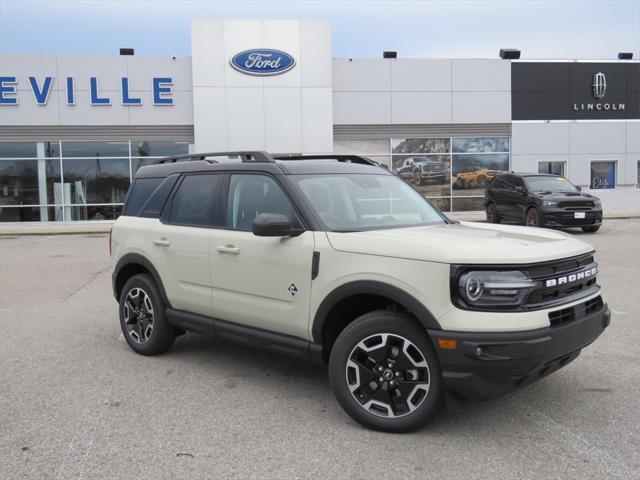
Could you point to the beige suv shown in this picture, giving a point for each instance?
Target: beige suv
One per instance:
(337, 260)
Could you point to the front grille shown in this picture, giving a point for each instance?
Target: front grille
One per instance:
(576, 204)
(545, 274)
(568, 315)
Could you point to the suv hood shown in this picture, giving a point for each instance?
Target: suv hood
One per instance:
(464, 243)
(566, 196)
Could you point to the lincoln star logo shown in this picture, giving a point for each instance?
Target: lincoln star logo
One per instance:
(263, 62)
(574, 277)
(599, 85)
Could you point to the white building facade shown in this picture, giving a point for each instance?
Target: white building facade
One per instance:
(74, 129)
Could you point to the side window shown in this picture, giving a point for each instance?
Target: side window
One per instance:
(517, 182)
(158, 198)
(195, 201)
(251, 195)
(509, 182)
(141, 189)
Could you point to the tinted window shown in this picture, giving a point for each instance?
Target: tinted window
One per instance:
(158, 198)
(194, 202)
(139, 194)
(250, 195)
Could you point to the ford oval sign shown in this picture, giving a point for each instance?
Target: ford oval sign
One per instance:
(263, 62)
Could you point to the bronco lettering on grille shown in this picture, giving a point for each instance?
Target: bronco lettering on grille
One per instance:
(574, 277)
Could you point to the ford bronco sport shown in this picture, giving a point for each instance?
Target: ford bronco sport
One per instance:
(337, 260)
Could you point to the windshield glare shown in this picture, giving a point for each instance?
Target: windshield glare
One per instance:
(550, 184)
(366, 202)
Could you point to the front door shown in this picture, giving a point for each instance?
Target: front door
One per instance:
(262, 282)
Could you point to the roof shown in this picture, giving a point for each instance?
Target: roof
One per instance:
(261, 162)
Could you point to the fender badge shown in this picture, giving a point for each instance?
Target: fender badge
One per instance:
(292, 290)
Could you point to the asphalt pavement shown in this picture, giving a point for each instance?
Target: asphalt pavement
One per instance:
(77, 403)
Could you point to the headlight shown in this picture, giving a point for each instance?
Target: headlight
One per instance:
(549, 203)
(489, 288)
(596, 202)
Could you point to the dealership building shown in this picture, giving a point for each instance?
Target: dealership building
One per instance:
(75, 128)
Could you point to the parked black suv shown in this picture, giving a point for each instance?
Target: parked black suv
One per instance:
(538, 200)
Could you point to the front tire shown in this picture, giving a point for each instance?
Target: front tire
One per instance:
(492, 214)
(591, 229)
(385, 372)
(533, 218)
(142, 318)
(417, 178)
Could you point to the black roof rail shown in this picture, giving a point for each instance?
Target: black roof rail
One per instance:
(339, 158)
(247, 156)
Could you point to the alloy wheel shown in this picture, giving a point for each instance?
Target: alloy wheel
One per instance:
(138, 315)
(387, 375)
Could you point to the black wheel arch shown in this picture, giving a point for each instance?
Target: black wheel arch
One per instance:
(370, 288)
(133, 264)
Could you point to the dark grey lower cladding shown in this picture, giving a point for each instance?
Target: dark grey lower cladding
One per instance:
(356, 132)
(97, 132)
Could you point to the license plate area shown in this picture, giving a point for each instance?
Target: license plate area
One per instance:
(579, 215)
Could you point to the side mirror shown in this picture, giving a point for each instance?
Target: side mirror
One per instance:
(274, 225)
(520, 190)
(579, 188)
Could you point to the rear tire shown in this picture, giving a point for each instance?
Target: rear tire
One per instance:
(592, 229)
(492, 214)
(533, 218)
(142, 318)
(385, 373)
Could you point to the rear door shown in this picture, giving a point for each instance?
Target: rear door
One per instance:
(263, 282)
(180, 242)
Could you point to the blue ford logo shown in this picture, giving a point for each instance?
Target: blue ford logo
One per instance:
(263, 62)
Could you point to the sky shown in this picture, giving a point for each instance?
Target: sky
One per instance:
(578, 29)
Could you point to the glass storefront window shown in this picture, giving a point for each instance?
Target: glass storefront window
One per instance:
(30, 214)
(95, 180)
(481, 145)
(444, 204)
(142, 148)
(462, 204)
(95, 149)
(52, 149)
(603, 175)
(136, 163)
(93, 212)
(471, 172)
(18, 150)
(554, 168)
(361, 147)
(428, 174)
(420, 145)
(28, 182)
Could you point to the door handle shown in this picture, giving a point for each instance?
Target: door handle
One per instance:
(228, 249)
(162, 242)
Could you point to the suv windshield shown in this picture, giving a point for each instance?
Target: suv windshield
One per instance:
(357, 202)
(549, 184)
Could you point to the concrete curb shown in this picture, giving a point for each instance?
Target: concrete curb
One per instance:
(12, 230)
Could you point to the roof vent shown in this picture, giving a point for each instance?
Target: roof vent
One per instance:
(509, 53)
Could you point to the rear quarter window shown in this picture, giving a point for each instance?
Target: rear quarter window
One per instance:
(141, 190)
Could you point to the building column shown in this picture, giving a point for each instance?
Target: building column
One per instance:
(42, 182)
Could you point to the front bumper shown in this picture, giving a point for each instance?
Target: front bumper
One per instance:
(560, 217)
(487, 365)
